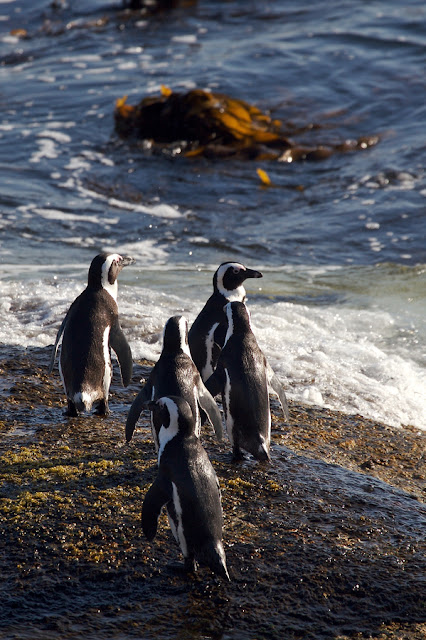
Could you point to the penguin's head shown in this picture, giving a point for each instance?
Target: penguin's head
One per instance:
(238, 317)
(171, 415)
(175, 335)
(229, 278)
(104, 270)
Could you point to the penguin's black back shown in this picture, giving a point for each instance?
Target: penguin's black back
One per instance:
(245, 363)
(175, 374)
(205, 346)
(82, 353)
(212, 313)
(242, 372)
(186, 464)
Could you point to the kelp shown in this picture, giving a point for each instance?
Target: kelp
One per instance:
(156, 6)
(216, 125)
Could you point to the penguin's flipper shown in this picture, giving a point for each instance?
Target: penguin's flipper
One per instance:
(118, 342)
(156, 497)
(209, 406)
(56, 345)
(275, 384)
(138, 404)
(216, 351)
(219, 338)
(216, 382)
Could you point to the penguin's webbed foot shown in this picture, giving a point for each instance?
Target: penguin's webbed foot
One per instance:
(190, 566)
(102, 409)
(237, 455)
(71, 410)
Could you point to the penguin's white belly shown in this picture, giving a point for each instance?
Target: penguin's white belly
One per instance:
(107, 362)
(177, 527)
(208, 368)
(197, 412)
(90, 394)
(153, 431)
(229, 421)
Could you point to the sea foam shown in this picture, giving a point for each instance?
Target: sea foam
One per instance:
(332, 356)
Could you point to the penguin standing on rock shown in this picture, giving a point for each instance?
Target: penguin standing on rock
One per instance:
(207, 333)
(90, 329)
(243, 376)
(175, 374)
(187, 484)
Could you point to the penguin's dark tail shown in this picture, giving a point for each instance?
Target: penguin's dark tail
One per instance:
(83, 401)
(134, 413)
(262, 454)
(214, 557)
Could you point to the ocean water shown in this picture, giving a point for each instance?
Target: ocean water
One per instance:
(340, 312)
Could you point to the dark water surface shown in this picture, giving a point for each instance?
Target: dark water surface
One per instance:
(352, 70)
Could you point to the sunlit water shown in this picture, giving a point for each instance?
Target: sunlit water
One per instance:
(340, 311)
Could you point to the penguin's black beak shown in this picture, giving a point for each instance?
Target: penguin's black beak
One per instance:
(251, 273)
(126, 260)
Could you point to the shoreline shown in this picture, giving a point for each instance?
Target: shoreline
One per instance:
(318, 544)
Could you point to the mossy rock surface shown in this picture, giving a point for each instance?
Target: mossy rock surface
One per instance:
(327, 542)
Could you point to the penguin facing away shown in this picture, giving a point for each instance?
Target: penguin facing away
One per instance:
(187, 484)
(243, 376)
(207, 334)
(175, 374)
(90, 330)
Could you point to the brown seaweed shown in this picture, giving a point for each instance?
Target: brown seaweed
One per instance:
(156, 6)
(217, 125)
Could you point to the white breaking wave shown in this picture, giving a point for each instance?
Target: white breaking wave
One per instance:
(338, 358)
(332, 356)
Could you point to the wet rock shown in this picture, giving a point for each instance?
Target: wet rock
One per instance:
(319, 544)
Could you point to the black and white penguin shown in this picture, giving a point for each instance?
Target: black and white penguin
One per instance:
(208, 331)
(243, 377)
(90, 329)
(187, 484)
(175, 374)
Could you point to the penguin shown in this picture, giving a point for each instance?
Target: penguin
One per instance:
(208, 331)
(243, 377)
(187, 484)
(176, 374)
(90, 329)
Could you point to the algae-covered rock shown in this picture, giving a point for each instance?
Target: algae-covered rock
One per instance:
(326, 543)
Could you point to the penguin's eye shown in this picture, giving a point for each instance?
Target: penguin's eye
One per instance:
(236, 270)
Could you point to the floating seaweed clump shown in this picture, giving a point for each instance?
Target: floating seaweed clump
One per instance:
(155, 6)
(216, 125)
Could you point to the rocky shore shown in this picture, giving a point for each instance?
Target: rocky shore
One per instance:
(327, 542)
